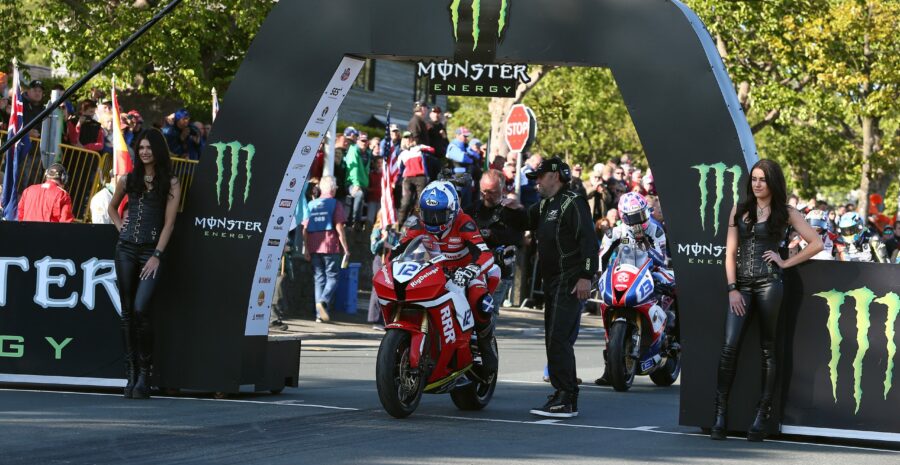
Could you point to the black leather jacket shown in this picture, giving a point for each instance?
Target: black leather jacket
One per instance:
(752, 244)
(146, 216)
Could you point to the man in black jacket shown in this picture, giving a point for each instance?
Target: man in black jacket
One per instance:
(568, 253)
(502, 223)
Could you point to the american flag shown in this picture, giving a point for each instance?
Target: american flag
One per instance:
(10, 196)
(122, 164)
(390, 171)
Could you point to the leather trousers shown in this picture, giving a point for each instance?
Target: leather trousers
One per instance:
(135, 295)
(762, 297)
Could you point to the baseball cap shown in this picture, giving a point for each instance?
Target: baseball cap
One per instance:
(463, 131)
(407, 134)
(363, 136)
(350, 132)
(475, 143)
(136, 115)
(436, 109)
(36, 83)
(550, 165)
(394, 127)
(181, 114)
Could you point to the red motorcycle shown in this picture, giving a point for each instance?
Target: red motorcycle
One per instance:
(429, 344)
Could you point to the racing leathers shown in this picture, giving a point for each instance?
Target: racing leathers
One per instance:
(469, 262)
(867, 248)
(655, 237)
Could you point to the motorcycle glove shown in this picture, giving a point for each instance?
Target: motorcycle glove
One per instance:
(462, 276)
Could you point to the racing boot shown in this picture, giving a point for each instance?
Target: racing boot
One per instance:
(759, 429)
(490, 361)
(604, 380)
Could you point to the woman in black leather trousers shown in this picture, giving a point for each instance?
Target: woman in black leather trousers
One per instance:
(753, 265)
(153, 198)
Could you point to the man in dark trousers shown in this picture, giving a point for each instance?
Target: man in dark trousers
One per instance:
(501, 222)
(568, 253)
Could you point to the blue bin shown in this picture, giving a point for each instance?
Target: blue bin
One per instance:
(348, 286)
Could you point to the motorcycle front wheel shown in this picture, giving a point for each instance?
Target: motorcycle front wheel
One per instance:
(399, 387)
(622, 366)
(476, 395)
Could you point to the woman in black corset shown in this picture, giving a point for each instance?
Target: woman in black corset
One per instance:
(753, 265)
(153, 198)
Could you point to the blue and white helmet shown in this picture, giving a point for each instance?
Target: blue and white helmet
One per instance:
(850, 225)
(439, 205)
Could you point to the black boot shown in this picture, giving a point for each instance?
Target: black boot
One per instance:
(142, 384)
(562, 404)
(604, 380)
(490, 360)
(130, 373)
(759, 430)
(718, 430)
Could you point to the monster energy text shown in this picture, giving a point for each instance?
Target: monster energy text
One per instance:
(476, 17)
(719, 170)
(233, 151)
(863, 298)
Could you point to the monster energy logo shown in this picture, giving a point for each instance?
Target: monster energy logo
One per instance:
(476, 16)
(232, 150)
(719, 169)
(863, 298)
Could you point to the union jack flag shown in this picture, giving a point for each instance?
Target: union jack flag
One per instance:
(10, 195)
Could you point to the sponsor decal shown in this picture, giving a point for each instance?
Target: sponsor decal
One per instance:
(261, 298)
(285, 203)
(226, 228)
(321, 118)
(269, 262)
(447, 325)
(274, 242)
(50, 274)
(431, 202)
(454, 240)
(335, 92)
(305, 150)
(298, 166)
(863, 298)
(473, 79)
(292, 184)
(476, 16)
(279, 224)
(552, 215)
(703, 254)
(346, 74)
(265, 280)
(425, 276)
(718, 170)
(314, 134)
(231, 152)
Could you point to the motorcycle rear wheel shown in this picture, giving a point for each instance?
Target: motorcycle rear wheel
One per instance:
(476, 395)
(399, 390)
(622, 367)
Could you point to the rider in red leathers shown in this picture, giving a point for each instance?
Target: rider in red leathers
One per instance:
(470, 263)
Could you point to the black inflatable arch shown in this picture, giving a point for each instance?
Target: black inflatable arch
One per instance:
(679, 96)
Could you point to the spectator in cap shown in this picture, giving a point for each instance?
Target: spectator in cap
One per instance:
(358, 162)
(48, 201)
(529, 194)
(437, 132)
(31, 104)
(418, 127)
(577, 184)
(178, 132)
(457, 151)
(351, 134)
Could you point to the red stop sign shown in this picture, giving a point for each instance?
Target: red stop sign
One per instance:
(521, 128)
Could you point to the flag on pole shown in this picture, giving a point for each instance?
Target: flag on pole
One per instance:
(388, 176)
(215, 104)
(9, 199)
(122, 164)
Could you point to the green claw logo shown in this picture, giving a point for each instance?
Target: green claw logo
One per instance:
(719, 169)
(235, 149)
(863, 297)
(476, 17)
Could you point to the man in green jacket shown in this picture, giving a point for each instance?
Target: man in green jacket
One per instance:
(358, 161)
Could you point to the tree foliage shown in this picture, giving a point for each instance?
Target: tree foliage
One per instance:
(200, 45)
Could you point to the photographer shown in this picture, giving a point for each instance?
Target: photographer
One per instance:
(83, 130)
(501, 223)
(178, 132)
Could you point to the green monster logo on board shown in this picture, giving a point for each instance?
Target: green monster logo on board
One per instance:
(476, 17)
(719, 170)
(863, 298)
(233, 151)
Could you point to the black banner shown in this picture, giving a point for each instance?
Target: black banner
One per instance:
(59, 304)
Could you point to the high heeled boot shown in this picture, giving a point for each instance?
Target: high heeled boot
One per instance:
(142, 384)
(718, 431)
(130, 374)
(759, 430)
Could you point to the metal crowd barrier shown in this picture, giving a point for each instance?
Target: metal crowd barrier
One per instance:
(184, 170)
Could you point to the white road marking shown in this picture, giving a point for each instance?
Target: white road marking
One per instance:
(551, 422)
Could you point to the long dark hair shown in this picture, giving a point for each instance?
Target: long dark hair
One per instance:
(778, 213)
(161, 182)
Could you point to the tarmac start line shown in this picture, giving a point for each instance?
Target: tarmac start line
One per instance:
(544, 422)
